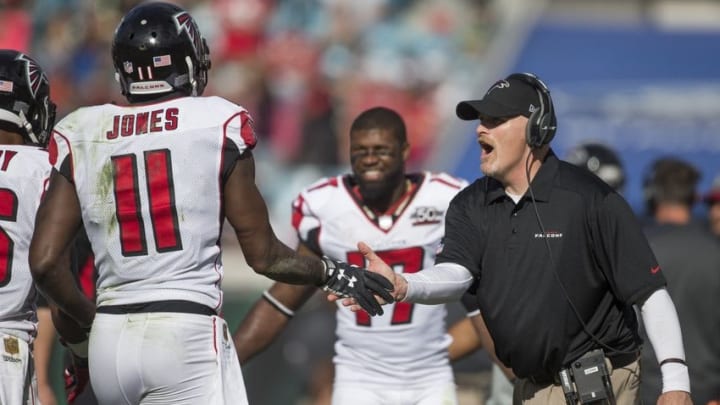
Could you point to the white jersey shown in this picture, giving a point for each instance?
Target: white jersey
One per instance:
(407, 345)
(149, 179)
(24, 171)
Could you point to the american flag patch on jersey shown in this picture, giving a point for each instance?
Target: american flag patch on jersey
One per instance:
(6, 86)
(163, 60)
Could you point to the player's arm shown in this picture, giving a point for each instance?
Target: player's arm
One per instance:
(247, 213)
(76, 339)
(270, 314)
(268, 317)
(487, 342)
(472, 333)
(42, 354)
(57, 222)
(465, 340)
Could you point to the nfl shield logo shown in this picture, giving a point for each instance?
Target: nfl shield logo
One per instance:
(11, 345)
(128, 67)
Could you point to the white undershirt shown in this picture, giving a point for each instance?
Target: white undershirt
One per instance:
(515, 197)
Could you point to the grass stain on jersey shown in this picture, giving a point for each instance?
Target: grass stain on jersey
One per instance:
(105, 187)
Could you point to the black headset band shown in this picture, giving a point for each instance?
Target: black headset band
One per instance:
(542, 127)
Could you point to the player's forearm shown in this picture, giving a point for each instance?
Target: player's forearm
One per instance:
(258, 330)
(297, 270)
(58, 285)
(268, 317)
(464, 339)
(283, 264)
(43, 345)
(67, 327)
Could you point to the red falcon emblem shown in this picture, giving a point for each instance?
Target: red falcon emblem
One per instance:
(33, 73)
(185, 22)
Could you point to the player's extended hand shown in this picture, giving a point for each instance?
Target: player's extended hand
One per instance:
(378, 266)
(77, 376)
(347, 281)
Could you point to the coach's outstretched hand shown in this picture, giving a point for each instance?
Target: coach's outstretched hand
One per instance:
(376, 266)
(348, 281)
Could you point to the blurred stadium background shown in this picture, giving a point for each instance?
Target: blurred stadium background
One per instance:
(642, 76)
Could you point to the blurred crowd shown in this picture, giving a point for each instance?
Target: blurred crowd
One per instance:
(303, 68)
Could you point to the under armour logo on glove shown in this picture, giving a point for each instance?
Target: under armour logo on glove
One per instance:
(349, 281)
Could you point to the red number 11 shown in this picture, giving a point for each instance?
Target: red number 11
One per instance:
(161, 199)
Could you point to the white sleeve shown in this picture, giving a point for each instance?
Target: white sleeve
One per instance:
(663, 330)
(444, 282)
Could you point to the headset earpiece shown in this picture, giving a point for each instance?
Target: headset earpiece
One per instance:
(532, 137)
(542, 122)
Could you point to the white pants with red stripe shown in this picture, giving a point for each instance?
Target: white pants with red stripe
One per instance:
(164, 358)
(18, 382)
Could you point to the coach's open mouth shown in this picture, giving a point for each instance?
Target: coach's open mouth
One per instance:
(486, 148)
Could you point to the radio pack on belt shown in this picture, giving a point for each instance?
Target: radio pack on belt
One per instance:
(587, 380)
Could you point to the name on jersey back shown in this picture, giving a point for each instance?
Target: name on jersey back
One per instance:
(160, 120)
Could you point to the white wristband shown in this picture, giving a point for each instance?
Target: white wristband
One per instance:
(675, 377)
(278, 305)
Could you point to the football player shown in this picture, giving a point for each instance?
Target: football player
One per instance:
(153, 182)
(402, 214)
(26, 118)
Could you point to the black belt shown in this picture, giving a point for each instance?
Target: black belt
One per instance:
(623, 359)
(186, 307)
(617, 361)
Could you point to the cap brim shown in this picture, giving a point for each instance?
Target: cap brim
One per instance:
(472, 109)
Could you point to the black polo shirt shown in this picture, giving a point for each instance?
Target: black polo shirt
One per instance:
(590, 240)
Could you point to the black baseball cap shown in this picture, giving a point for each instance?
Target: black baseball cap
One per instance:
(509, 97)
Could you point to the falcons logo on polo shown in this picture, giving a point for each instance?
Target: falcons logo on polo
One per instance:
(34, 75)
(184, 21)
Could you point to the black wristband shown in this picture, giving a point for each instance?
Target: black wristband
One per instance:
(673, 360)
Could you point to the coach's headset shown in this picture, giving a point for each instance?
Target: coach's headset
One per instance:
(542, 122)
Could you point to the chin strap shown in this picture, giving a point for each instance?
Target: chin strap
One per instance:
(21, 121)
(191, 76)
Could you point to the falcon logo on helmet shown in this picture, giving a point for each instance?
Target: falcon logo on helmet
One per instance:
(35, 76)
(25, 99)
(185, 23)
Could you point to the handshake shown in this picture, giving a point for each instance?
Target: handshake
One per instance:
(350, 281)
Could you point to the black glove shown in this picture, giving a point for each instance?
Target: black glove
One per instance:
(346, 280)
